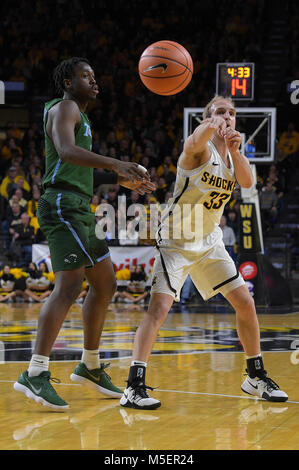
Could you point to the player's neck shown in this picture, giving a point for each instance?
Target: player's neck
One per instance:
(82, 105)
(220, 145)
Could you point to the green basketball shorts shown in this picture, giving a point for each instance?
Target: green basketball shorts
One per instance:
(69, 225)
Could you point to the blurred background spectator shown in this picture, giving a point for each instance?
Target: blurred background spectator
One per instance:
(135, 290)
(128, 122)
(228, 235)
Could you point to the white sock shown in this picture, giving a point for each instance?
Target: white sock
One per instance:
(91, 358)
(253, 357)
(138, 363)
(37, 365)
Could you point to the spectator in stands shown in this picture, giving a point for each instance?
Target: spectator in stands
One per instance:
(268, 205)
(136, 291)
(31, 135)
(17, 197)
(167, 161)
(10, 182)
(161, 190)
(234, 202)
(288, 144)
(232, 221)
(277, 179)
(37, 285)
(14, 131)
(8, 179)
(22, 185)
(33, 202)
(33, 173)
(278, 183)
(13, 218)
(112, 196)
(22, 239)
(85, 288)
(168, 176)
(8, 147)
(188, 291)
(95, 201)
(134, 198)
(7, 284)
(228, 236)
(153, 211)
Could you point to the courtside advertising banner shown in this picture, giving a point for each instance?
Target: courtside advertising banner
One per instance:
(122, 257)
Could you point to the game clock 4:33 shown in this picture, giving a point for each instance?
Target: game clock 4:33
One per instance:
(235, 80)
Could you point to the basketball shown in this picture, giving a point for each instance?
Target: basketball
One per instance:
(165, 67)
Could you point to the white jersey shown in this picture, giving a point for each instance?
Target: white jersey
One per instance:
(191, 219)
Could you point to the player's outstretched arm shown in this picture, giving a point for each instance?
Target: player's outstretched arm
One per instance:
(64, 121)
(196, 151)
(197, 142)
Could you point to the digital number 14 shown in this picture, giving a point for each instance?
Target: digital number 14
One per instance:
(237, 84)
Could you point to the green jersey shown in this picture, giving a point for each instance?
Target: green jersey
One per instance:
(65, 175)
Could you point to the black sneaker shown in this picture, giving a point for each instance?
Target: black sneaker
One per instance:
(136, 396)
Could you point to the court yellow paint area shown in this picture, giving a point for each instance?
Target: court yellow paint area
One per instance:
(203, 407)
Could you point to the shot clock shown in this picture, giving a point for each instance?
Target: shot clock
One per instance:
(235, 80)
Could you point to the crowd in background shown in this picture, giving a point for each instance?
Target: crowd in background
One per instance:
(128, 123)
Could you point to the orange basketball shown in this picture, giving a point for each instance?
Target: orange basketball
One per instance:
(165, 67)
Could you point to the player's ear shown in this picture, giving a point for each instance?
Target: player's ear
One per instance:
(67, 83)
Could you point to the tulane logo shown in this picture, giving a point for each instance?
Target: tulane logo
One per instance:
(72, 258)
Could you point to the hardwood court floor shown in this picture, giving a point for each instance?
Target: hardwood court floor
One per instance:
(197, 365)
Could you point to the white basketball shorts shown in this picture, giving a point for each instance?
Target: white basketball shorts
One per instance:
(212, 271)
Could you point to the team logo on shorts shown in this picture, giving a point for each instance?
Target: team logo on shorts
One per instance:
(72, 258)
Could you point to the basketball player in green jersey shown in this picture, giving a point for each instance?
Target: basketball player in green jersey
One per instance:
(66, 219)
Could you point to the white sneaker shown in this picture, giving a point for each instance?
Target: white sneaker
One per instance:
(263, 388)
(136, 396)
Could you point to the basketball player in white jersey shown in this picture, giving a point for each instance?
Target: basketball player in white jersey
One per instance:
(208, 169)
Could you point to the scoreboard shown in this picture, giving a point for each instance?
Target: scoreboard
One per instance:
(235, 80)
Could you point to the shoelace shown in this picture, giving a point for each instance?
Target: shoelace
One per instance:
(54, 380)
(47, 376)
(105, 366)
(270, 384)
(140, 389)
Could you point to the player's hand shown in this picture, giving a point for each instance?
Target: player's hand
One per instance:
(140, 187)
(233, 140)
(131, 171)
(216, 122)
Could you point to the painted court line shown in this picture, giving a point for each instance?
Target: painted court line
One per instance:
(223, 395)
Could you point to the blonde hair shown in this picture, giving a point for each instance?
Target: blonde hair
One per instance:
(207, 111)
